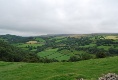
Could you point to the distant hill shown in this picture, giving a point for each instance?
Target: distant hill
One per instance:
(15, 39)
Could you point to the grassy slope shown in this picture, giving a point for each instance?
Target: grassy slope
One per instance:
(89, 69)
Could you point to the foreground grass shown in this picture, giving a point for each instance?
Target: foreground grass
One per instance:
(89, 69)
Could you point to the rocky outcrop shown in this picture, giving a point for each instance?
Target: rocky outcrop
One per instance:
(109, 76)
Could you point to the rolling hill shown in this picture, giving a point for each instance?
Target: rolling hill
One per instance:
(63, 47)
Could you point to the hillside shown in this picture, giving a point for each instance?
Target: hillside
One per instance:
(69, 47)
(88, 69)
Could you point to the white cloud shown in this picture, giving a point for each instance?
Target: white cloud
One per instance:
(35, 17)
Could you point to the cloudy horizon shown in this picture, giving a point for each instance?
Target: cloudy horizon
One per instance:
(40, 17)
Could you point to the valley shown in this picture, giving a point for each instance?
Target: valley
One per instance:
(66, 47)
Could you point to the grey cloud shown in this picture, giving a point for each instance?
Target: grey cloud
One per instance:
(36, 17)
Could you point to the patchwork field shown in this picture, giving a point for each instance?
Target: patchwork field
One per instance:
(88, 69)
(63, 47)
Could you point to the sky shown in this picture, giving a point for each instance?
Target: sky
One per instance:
(41, 17)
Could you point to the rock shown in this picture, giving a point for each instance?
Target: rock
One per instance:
(109, 76)
(80, 79)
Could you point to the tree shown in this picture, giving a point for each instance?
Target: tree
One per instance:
(15, 54)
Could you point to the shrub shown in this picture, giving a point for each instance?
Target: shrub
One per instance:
(74, 58)
(100, 55)
(85, 56)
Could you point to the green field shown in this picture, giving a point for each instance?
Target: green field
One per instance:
(47, 52)
(58, 55)
(39, 39)
(105, 47)
(88, 69)
(53, 54)
(59, 39)
(90, 45)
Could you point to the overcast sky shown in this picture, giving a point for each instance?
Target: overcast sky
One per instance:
(37, 17)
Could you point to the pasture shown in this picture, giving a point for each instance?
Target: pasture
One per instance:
(58, 55)
(38, 39)
(111, 37)
(32, 42)
(88, 69)
(54, 54)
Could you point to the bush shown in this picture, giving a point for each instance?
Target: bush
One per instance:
(74, 58)
(85, 56)
(101, 55)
